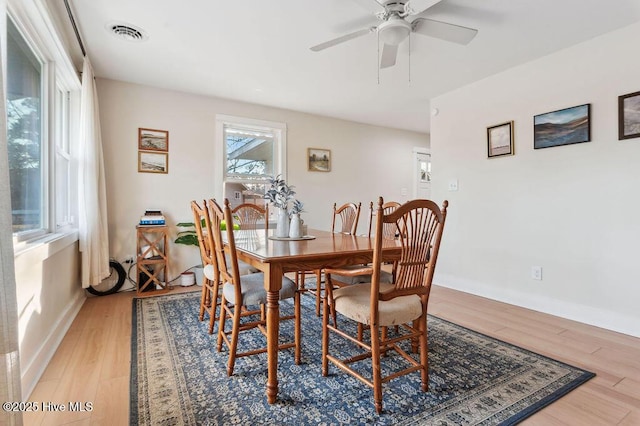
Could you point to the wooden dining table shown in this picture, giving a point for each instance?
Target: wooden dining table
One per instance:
(277, 257)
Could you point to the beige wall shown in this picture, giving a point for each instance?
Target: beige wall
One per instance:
(49, 296)
(571, 209)
(368, 161)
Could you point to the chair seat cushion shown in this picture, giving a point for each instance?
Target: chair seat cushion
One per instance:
(354, 302)
(253, 292)
(209, 272)
(245, 269)
(385, 277)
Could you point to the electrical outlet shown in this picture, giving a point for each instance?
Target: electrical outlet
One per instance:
(129, 259)
(536, 273)
(453, 185)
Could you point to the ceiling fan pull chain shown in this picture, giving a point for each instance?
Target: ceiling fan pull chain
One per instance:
(409, 71)
(378, 57)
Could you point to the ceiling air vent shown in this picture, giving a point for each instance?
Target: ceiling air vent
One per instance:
(127, 32)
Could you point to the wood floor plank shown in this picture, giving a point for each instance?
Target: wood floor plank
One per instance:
(631, 419)
(111, 404)
(58, 364)
(629, 387)
(581, 407)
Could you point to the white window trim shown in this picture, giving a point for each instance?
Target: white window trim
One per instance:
(32, 18)
(280, 139)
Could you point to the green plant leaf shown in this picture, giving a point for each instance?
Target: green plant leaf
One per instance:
(186, 224)
(189, 240)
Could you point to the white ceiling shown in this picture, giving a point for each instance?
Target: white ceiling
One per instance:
(258, 50)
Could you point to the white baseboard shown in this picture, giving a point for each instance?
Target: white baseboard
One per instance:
(32, 373)
(609, 320)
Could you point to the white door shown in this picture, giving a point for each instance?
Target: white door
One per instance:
(422, 176)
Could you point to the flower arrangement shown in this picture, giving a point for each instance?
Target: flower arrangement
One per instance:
(279, 193)
(296, 208)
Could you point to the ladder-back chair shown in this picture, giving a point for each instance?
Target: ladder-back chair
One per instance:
(241, 292)
(348, 215)
(403, 303)
(209, 298)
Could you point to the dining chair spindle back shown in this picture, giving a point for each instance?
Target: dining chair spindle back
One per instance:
(242, 292)
(402, 303)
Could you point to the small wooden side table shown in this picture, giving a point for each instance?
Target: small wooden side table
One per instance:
(152, 259)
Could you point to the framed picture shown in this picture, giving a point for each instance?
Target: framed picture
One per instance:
(319, 160)
(629, 116)
(500, 140)
(562, 127)
(153, 140)
(153, 162)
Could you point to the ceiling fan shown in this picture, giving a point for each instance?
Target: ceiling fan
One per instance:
(394, 28)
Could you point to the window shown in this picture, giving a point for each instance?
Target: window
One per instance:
(24, 134)
(253, 152)
(43, 89)
(63, 160)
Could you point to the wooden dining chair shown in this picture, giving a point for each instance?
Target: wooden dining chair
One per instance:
(403, 302)
(209, 299)
(251, 216)
(355, 274)
(347, 215)
(240, 293)
(358, 274)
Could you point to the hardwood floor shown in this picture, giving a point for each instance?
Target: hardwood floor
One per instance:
(92, 363)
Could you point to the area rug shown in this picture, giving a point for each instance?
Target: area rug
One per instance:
(178, 377)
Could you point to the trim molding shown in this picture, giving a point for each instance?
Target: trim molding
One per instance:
(609, 320)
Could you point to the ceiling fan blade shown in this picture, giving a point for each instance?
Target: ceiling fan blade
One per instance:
(342, 39)
(443, 30)
(388, 57)
(371, 5)
(414, 7)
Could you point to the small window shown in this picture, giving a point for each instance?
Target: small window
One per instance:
(253, 151)
(249, 153)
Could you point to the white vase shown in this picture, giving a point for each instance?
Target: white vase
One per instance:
(295, 227)
(282, 226)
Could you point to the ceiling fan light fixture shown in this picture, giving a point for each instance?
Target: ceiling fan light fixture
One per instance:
(394, 31)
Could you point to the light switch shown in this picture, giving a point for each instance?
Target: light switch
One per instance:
(453, 185)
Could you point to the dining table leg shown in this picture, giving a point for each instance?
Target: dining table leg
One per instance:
(273, 331)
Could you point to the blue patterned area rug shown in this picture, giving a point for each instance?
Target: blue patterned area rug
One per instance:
(178, 377)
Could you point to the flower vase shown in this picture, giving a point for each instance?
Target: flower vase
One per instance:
(282, 226)
(295, 227)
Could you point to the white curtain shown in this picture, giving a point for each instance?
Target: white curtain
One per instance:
(9, 356)
(92, 197)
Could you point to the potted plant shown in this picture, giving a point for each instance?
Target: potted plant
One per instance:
(279, 194)
(189, 237)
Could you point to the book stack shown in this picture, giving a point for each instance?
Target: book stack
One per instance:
(152, 218)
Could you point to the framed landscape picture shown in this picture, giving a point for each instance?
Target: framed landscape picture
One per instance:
(500, 140)
(629, 116)
(562, 127)
(153, 162)
(319, 160)
(153, 140)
